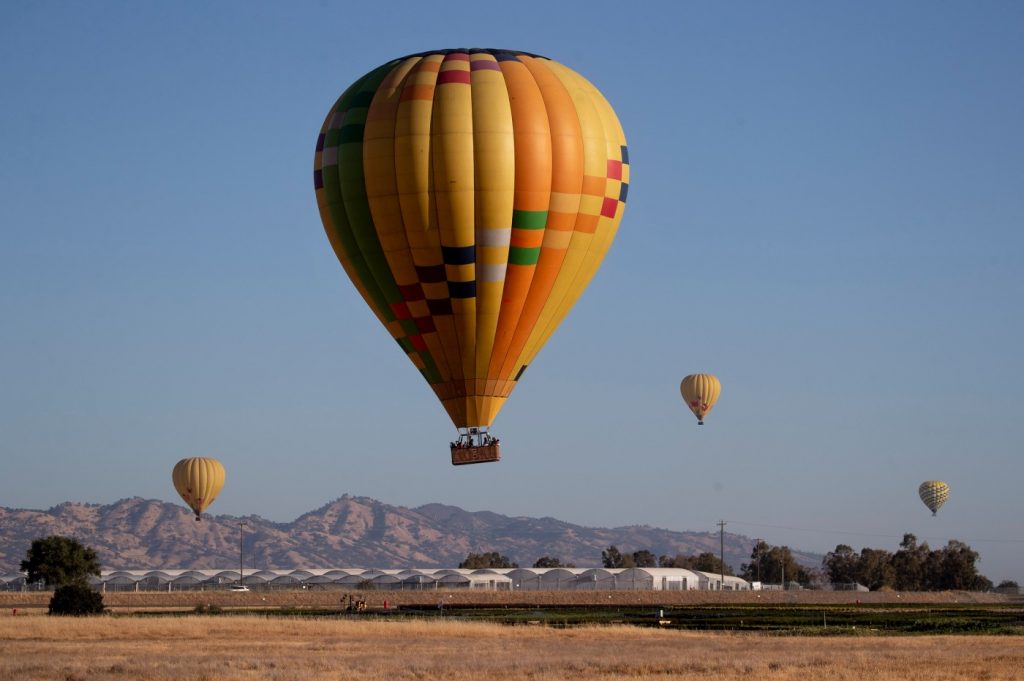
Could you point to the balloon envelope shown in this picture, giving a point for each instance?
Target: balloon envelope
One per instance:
(470, 196)
(198, 480)
(700, 392)
(934, 494)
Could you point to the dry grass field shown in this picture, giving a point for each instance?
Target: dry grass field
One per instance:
(197, 648)
(123, 601)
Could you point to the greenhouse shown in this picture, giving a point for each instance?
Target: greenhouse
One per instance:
(409, 579)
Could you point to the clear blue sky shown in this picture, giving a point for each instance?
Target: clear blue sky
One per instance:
(825, 211)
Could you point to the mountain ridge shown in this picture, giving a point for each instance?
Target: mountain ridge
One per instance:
(350, 531)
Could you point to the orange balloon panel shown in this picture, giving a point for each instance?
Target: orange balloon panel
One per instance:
(471, 196)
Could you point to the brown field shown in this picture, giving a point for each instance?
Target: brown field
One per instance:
(151, 600)
(196, 648)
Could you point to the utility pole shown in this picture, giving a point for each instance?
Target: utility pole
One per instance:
(241, 575)
(721, 552)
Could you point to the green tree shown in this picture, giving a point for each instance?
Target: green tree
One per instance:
(612, 557)
(775, 562)
(709, 562)
(981, 583)
(874, 569)
(492, 559)
(754, 571)
(957, 567)
(644, 559)
(908, 564)
(678, 561)
(705, 562)
(548, 562)
(1008, 584)
(59, 561)
(841, 565)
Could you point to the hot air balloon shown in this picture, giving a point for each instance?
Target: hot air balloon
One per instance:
(700, 392)
(471, 195)
(198, 481)
(934, 494)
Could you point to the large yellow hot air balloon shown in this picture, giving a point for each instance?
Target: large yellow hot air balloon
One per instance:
(934, 494)
(198, 481)
(700, 392)
(471, 195)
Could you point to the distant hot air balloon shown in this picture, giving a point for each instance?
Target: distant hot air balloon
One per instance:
(934, 494)
(470, 195)
(198, 481)
(700, 392)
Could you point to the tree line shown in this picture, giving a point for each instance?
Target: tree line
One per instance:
(611, 557)
(915, 567)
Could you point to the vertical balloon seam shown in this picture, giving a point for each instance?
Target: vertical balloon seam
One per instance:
(495, 189)
(457, 388)
(339, 230)
(204, 484)
(384, 206)
(208, 480)
(568, 287)
(414, 295)
(221, 479)
(585, 233)
(431, 269)
(582, 227)
(421, 230)
(509, 238)
(437, 274)
(380, 117)
(188, 484)
(551, 257)
(201, 484)
(611, 206)
(352, 185)
(450, 118)
(528, 220)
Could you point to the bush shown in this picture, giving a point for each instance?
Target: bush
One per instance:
(76, 599)
(206, 609)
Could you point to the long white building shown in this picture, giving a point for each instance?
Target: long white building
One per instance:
(496, 579)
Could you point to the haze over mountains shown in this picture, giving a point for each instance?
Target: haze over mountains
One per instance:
(347, 532)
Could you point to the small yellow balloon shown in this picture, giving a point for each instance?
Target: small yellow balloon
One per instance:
(934, 494)
(198, 481)
(700, 392)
